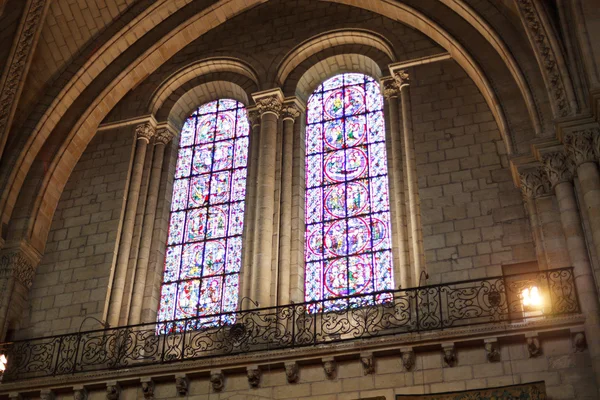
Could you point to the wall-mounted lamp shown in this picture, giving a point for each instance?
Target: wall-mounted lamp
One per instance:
(531, 298)
(3, 362)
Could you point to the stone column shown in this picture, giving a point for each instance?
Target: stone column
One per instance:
(289, 113)
(580, 147)
(391, 93)
(269, 105)
(410, 165)
(250, 222)
(17, 269)
(143, 133)
(558, 167)
(163, 136)
(534, 183)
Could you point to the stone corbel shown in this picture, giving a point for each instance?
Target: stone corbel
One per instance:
(291, 371)
(217, 379)
(408, 357)
(253, 375)
(113, 389)
(368, 362)
(533, 345)
(147, 387)
(79, 393)
(449, 354)
(181, 384)
(329, 366)
(492, 350)
(47, 394)
(578, 339)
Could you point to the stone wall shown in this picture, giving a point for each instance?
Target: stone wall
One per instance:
(72, 279)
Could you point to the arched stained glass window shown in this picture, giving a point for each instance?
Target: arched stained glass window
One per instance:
(203, 256)
(347, 238)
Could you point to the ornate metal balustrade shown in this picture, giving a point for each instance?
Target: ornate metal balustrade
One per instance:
(427, 308)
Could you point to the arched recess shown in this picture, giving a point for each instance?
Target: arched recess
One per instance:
(328, 40)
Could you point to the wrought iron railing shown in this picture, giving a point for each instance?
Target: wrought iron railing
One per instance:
(426, 308)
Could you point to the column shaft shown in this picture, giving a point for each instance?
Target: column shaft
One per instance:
(536, 232)
(589, 178)
(285, 222)
(118, 283)
(141, 271)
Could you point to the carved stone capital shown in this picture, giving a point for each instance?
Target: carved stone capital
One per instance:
(253, 117)
(290, 111)
(112, 391)
(270, 104)
(181, 384)
(580, 146)
(16, 264)
(408, 357)
(449, 352)
(291, 371)
(368, 362)
(559, 167)
(578, 340)
(79, 393)
(147, 388)
(329, 366)
(492, 350)
(533, 345)
(535, 183)
(163, 136)
(253, 376)
(402, 78)
(47, 394)
(390, 88)
(145, 131)
(217, 379)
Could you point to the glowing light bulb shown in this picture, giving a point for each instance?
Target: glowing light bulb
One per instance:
(3, 362)
(531, 297)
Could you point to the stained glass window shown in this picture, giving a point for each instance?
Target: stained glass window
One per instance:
(203, 256)
(347, 238)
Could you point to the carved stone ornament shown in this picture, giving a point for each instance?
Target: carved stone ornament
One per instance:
(580, 146)
(181, 384)
(79, 393)
(47, 395)
(558, 167)
(533, 347)
(254, 117)
(596, 143)
(390, 88)
(449, 354)
(217, 379)
(17, 265)
(549, 64)
(291, 371)
(535, 183)
(368, 362)
(290, 111)
(492, 351)
(163, 136)
(579, 342)
(14, 73)
(112, 391)
(269, 104)
(329, 366)
(402, 78)
(145, 131)
(253, 376)
(148, 388)
(408, 358)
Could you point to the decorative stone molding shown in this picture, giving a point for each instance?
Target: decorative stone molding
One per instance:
(17, 265)
(147, 387)
(408, 357)
(449, 352)
(13, 78)
(112, 391)
(492, 350)
(578, 339)
(558, 167)
(163, 136)
(181, 384)
(269, 104)
(329, 366)
(253, 376)
(547, 57)
(253, 117)
(291, 371)
(217, 379)
(290, 111)
(580, 146)
(79, 393)
(47, 394)
(535, 183)
(390, 88)
(402, 78)
(145, 131)
(368, 362)
(533, 345)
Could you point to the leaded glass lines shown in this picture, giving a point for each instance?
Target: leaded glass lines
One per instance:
(203, 255)
(347, 239)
